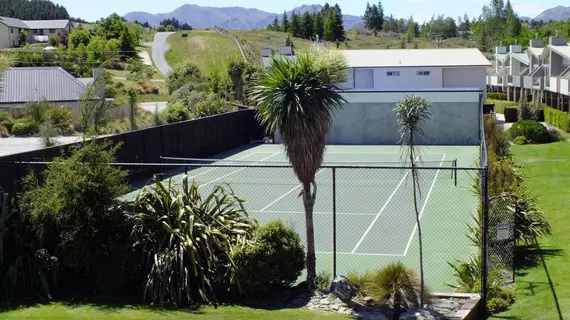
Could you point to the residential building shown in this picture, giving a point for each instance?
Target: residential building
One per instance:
(10, 32)
(452, 80)
(285, 51)
(542, 72)
(54, 84)
(41, 30)
(38, 30)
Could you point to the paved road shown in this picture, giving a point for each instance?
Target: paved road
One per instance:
(159, 48)
(152, 106)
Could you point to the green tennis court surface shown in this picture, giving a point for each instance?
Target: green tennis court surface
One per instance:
(375, 219)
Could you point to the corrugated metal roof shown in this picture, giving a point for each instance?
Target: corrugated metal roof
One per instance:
(416, 58)
(46, 24)
(522, 57)
(564, 51)
(29, 84)
(14, 23)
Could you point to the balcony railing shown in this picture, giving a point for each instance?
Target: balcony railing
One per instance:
(516, 81)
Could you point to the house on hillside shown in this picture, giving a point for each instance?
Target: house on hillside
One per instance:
(453, 80)
(20, 85)
(41, 30)
(10, 32)
(285, 51)
(540, 72)
(38, 30)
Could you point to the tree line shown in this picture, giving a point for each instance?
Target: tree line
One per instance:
(325, 24)
(33, 10)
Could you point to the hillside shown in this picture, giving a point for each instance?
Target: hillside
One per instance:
(32, 10)
(236, 18)
(559, 13)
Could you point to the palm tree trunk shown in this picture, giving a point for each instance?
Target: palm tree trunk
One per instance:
(420, 242)
(415, 183)
(309, 203)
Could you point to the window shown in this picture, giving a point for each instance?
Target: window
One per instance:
(51, 30)
(393, 73)
(423, 73)
(35, 31)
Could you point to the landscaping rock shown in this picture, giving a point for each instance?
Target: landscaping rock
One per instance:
(343, 289)
(369, 301)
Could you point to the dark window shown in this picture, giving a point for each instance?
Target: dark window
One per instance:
(423, 73)
(393, 73)
(51, 30)
(35, 31)
(11, 30)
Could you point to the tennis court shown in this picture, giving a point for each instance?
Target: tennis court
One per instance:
(374, 222)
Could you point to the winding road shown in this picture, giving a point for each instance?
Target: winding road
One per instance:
(159, 48)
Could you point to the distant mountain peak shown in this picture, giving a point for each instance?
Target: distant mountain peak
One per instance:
(558, 13)
(229, 17)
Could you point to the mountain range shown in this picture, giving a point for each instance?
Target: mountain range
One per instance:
(237, 18)
(559, 13)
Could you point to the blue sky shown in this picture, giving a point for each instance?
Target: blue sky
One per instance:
(420, 9)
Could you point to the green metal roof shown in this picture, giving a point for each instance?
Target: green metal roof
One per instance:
(522, 57)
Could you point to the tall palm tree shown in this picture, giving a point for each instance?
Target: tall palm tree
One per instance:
(411, 113)
(298, 98)
(236, 69)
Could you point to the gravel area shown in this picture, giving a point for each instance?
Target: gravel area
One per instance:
(14, 145)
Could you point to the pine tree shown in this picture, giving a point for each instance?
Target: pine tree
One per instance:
(338, 24)
(275, 26)
(329, 26)
(319, 28)
(411, 31)
(513, 23)
(295, 28)
(307, 25)
(285, 23)
(380, 19)
(369, 19)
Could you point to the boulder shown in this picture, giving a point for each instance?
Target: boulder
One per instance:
(343, 289)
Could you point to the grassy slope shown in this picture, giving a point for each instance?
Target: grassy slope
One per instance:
(547, 172)
(208, 50)
(255, 40)
(61, 311)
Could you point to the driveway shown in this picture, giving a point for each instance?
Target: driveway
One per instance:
(159, 48)
(152, 106)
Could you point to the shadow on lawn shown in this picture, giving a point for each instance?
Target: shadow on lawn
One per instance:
(533, 256)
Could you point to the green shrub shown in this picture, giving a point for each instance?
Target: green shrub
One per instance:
(25, 127)
(360, 281)
(396, 286)
(213, 105)
(4, 132)
(71, 207)
(4, 115)
(276, 259)
(187, 240)
(525, 111)
(520, 140)
(36, 110)
(323, 281)
(557, 118)
(532, 130)
(60, 118)
(7, 123)
(175, 112)
(497, 95)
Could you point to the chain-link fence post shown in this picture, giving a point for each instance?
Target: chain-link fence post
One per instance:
(334, 219)
(484, 243)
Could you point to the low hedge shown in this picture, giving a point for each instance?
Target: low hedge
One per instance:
(25, 127)
(557, 118)
(501, 105)
(497, 95)
(532, 130)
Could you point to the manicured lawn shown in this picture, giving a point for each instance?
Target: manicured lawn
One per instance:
(547, 173)
(62, 311)
(208, 50)
(500, 105)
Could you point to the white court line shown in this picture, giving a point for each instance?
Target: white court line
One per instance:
(362, 254)
(423, 208)
(398, 153)
(380, 213)
(284, 195)
(210, 170)
(315, 212)
(236, 171)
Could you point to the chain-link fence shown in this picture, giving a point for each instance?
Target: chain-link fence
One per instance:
(502, 215)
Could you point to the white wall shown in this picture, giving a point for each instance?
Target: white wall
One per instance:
(465, 78)
(408, 78)
(4, 36)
